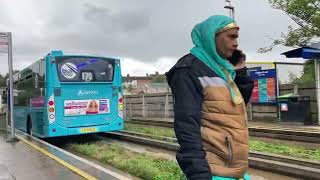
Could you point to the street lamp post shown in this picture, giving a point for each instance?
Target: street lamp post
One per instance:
(231, 8)
(8, 41)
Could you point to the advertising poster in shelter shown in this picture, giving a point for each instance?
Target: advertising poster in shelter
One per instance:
(265, 86)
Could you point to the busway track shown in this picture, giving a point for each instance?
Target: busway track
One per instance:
(296, 167)
(290, 134)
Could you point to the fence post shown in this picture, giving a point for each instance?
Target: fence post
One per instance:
(166, 106)
(125, 107)
(146, 106)
(143, 106)
(130, 110)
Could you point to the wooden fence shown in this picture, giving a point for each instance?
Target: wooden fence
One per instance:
(160, 105)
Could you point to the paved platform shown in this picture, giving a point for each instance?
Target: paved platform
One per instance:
(284, 125)
(18, 160)
(252, 124)
(32, 158)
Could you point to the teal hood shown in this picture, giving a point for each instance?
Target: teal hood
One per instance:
(203, 37)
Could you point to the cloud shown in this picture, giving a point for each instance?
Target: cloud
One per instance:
(146, 31)
(119, 22)
(134, 67)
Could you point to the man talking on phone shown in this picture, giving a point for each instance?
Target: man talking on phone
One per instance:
(210, 89)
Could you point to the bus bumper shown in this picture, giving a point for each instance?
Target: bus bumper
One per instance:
(56, 130)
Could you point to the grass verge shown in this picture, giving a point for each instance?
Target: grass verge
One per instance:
(255, 145)
(151, 130)
(283, 149)
(140, 165)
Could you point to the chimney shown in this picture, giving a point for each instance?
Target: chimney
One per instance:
(128, 75)
(147, 75)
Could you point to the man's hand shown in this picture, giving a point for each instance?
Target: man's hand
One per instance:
(240, 65)
(238, 59)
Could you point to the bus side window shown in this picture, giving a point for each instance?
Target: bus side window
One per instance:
(42, 73)
(109, 72)
(40, 82)
(36, 81)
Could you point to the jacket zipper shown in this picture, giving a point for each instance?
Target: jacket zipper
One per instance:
(230, 151)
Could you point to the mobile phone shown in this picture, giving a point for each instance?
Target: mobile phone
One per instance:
(236, 57)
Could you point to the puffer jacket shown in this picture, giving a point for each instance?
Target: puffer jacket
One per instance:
(211, 130)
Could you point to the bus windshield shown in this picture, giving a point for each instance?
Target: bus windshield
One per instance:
(85, 69)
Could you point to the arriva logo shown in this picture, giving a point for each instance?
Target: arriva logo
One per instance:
(82, 93)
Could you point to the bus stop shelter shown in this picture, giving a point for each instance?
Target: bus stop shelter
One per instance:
(311, 52)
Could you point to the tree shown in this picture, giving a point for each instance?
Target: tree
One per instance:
(307, 76)
(130, 88)
(3, 78)
(159, 78)
(306, 14)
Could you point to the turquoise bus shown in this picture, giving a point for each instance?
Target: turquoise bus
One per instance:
(62, 95)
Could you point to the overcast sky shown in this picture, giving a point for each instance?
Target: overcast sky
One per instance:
(149, 35)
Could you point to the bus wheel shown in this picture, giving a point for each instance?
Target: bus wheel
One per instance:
(29, 126)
